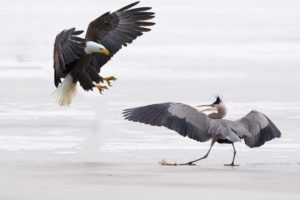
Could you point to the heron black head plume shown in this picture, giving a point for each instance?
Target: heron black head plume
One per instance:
(218, 100)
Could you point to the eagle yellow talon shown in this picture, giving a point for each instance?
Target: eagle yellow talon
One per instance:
(109, 79)
(101, 88)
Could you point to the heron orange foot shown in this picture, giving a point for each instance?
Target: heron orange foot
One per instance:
(109, 79)
(101, 88)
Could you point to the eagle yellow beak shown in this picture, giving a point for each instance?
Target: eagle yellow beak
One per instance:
(105, 51)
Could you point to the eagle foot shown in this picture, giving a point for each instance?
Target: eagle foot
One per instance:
(101, 88)
(109, 79)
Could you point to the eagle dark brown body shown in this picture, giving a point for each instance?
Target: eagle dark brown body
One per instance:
(80, 60)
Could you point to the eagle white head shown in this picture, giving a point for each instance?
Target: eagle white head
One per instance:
(93, 47)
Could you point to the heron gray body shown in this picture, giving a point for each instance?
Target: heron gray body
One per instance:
(254, 128)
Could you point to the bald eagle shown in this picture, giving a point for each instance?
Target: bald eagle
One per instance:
(80, 59)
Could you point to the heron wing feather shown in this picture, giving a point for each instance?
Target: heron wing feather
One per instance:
(260, 127)
(182, 118)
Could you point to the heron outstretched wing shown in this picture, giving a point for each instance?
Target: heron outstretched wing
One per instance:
(182, 118)
(261, 128)
(67, 48)
(117, 29)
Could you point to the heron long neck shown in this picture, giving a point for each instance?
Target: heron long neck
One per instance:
(221, 112)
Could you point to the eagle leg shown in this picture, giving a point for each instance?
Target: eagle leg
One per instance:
(109, 79)
(101, 88)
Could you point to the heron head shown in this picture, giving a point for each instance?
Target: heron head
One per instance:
(212, 107)
(217, 101)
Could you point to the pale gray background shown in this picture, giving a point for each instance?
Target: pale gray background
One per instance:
(247, 51)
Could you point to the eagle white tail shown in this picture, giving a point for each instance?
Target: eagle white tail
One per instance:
(65, 91)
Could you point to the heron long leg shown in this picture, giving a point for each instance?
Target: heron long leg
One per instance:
(234, 153)
(205, 156)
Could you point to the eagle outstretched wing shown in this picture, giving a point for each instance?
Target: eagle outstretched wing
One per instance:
(67, 48)
(117, 29)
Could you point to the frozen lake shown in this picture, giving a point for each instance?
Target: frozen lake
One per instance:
(246, 51)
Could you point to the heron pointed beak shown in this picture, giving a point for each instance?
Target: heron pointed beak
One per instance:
(210, 107)
(105, 52)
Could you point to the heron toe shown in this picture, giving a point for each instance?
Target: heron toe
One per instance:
(188, 163)
(191, 164)
(231, 165)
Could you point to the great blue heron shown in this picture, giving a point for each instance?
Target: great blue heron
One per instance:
(255, 128)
